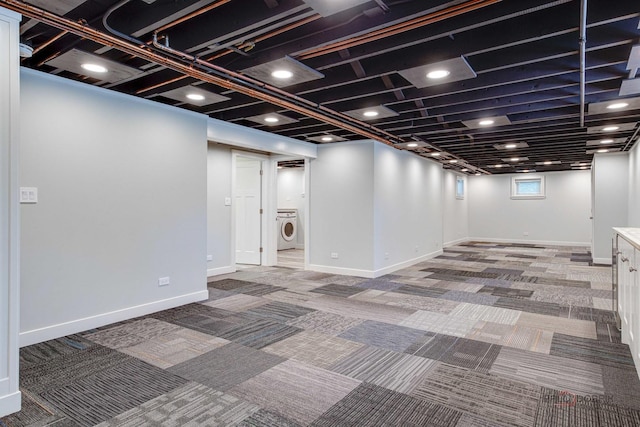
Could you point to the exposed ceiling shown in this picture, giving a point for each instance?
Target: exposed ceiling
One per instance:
(515, 62)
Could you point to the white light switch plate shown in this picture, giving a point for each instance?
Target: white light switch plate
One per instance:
(227, 201)
(28, 195)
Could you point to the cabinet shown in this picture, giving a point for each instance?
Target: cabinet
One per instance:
(627, 263)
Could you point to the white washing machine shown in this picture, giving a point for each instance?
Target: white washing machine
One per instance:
(287, 228)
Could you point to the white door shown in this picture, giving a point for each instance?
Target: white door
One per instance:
(248, 205)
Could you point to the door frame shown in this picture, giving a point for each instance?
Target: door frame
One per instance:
(266, 200)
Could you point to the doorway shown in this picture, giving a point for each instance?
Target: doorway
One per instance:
(292, 212)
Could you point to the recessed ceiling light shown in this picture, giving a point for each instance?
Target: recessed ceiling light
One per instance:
(438, 74)
(526, 170)
(271, 119)
(370, 113)
(498, 166)
(464, 170)
(412, 144)
(548, 162)
(327, 139)
(195, 97)
(617, 106)
(282, 74)
(279, 167)
(486, 122)
(606, 141)
(94, 68)
(435, 154)
(478, 174)
(511, 146)
(603, 151)
(610, 128)
(453, 161)
(515, 159)
(583, 167)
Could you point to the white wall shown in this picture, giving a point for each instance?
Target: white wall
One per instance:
(291, 195)
(455, 211)
(610, 193)
(122, 202)
(218, 214)
(341, 208)
(379, 209)
(633, 217)
(561, 218)
(407, 208)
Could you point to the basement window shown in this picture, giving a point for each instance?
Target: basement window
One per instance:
(459, 187)
(531, 187)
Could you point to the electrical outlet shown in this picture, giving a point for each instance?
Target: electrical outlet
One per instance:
(209, 257)
(164, 281)
(334, 255)
(386, 255)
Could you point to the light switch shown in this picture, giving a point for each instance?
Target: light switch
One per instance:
(28, 195)
(227, 201)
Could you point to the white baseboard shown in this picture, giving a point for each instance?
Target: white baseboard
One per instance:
(341, 270)
(455, 242)
(73, 327)
(528, 242)
(405, 264)
(10, 403)
(605, 261)
(221, 270)
(372, 274)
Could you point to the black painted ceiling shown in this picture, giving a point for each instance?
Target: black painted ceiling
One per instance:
(525, 53)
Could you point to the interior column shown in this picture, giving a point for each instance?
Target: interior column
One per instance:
(9, 212)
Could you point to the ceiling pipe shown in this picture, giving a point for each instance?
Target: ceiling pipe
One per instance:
(207, 72)
(192, 15)
(48, 42)
(630, 142)
(241, 46)
(398, 28)
(583, 62)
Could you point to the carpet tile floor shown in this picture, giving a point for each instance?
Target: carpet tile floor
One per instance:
(485, 335)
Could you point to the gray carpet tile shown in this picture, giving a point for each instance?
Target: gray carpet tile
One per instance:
(382, 284)
(36, 412)
(503, 271)
(229, 284)
(370, 405)
(258, 289)
(337, 290)
(47, 351)
(132, 333)
(608, 333)
(326, 323)
(314, 348)
(383, 335)
(226, 366)
(295, 390)
(500, 400)
(474, 298)
(589, 350)
(421, 291)
(495, 283)
(280, 311)
(109, 392)
(506, 292)
(259, 333)
(622, 386)
(456, 351)
(558, 408)
(263, 418)
(547, 308)
(62, 371)
(191, 405)
(395, 371)
(215, 294)
(550, 371)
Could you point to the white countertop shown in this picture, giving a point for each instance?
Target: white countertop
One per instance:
(632, 235)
